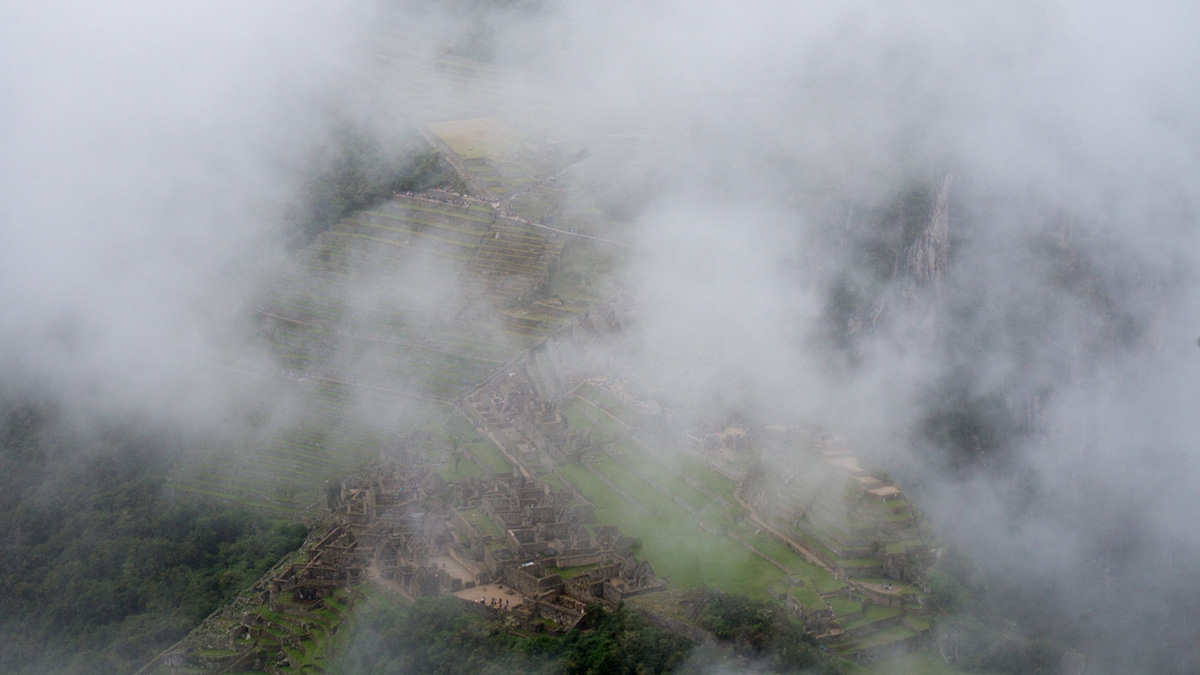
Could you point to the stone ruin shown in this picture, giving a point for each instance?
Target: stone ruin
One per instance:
(517, 406)
(424, 536)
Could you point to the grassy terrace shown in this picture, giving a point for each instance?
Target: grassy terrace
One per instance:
(481, 214)
(488, 455)
(679, 550)
(459, 257)
(711, 480)
(466, 468)
(430, 234)
(316, 635)
(799, 535)
(861, 562)
(329, 330)
(481, 522)
(571, 572)
(808, 598)
(450, 424)
(873, 614)
(728, 517)
(913, 663)
(844, 606)
(605, 401)
(634, 455)
(823, 580)
(583, 414)
(552, 480)
(885, 636)
(279, 472)
(419, 215)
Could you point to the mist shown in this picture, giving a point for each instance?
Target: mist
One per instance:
(150, 154)
(1034, 386)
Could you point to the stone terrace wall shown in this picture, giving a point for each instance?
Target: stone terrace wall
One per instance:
(462, 525)
(530, 584)
(581, 559)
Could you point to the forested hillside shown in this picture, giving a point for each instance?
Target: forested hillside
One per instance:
(100, 565)
(445, 635)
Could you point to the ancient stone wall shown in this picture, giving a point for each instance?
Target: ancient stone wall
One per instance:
(477, 570)
(462, 525)
(580, 559)
(531, 581)
(559, 614)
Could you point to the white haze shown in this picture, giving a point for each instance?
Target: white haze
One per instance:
(786, 123)
(147, 152)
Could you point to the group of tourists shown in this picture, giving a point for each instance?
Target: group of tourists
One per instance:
(495, 603)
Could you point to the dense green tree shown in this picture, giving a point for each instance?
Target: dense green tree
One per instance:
(100, 565)
(446, 635)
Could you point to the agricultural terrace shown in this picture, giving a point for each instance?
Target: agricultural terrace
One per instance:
(311, 637)
(695, 530)
(282, 470)
(689, 524)
(681, 553)
(478, 138)
(416, 296)
(476, 454)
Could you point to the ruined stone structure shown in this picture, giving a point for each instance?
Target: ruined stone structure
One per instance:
(518, 405)
(501, 529)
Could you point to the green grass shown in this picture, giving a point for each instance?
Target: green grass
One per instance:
(584, 414)
(913, 663)
(477, 213)
(571, 572)
(476, 447)
(487, 454)
(481, 522)
(467, 468)
(873, 613)
(808, 598)
(917, 622)
(633, 457)
(577, 420)
(843, 606)
(862, 562)
(710, 480)
(676, 547)
(607, 402)
(885, 636)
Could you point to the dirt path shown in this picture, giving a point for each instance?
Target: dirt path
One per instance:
(797, 546)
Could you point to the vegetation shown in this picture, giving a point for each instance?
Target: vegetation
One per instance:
(981, 639)
(761, 631)
(102, 566)
(355, 171)
(447, 635)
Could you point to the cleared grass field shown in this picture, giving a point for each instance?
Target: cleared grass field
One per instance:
(478, 138)
(678, 549)
(481, 522)
(466, 468)
(915, 663)
(724, 514)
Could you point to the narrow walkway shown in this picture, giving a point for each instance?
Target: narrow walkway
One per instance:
(795, 545)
